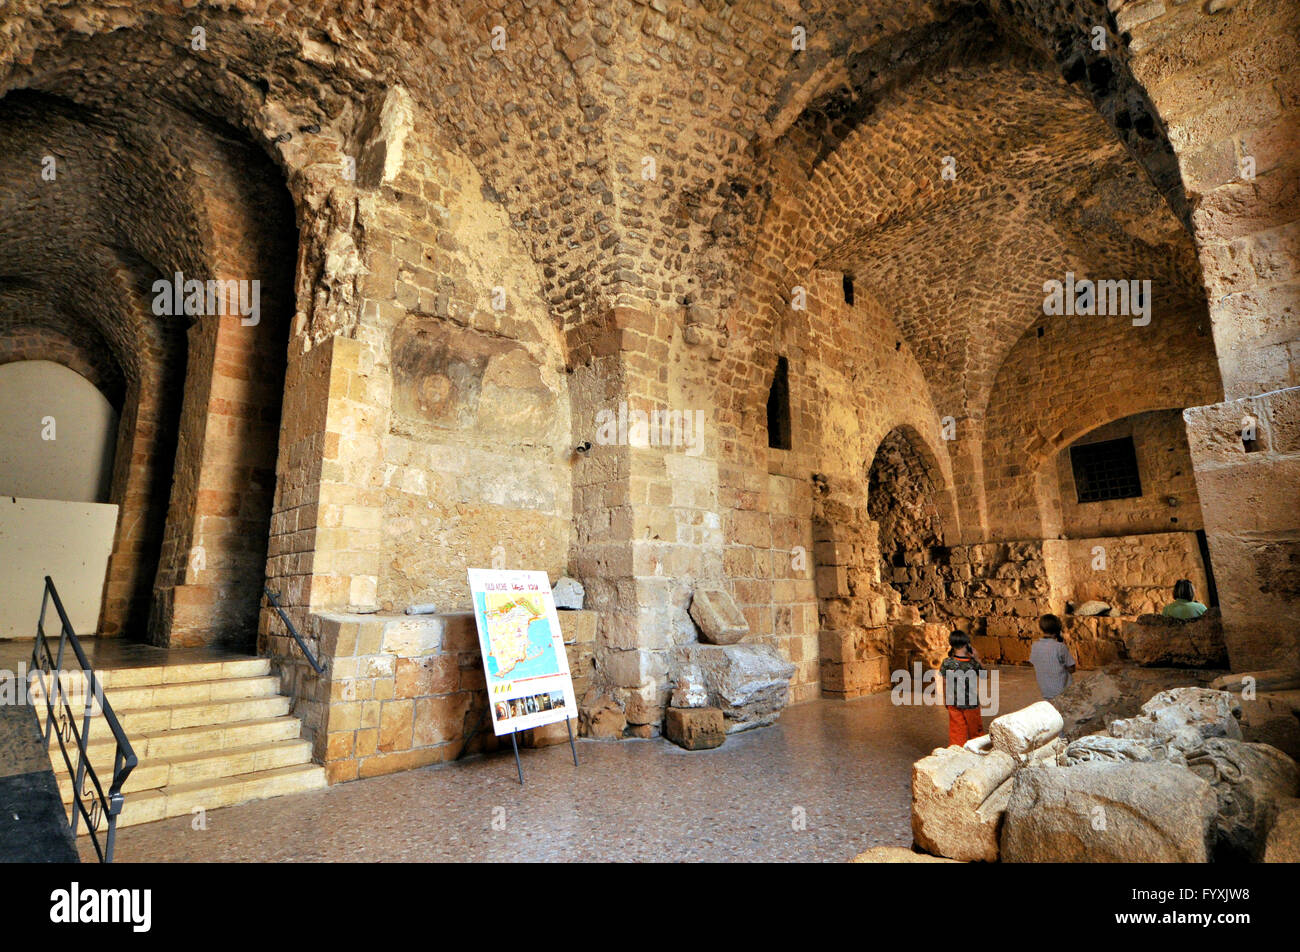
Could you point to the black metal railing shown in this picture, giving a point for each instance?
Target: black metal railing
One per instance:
(89, 800)
(311, 658)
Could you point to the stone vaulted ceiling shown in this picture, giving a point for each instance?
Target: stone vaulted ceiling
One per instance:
(560, 120)
(1039, 186)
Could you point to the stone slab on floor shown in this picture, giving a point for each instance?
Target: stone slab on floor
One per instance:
(695, 728)
(749, 682)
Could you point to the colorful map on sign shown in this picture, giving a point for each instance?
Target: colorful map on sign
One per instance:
(523, 651)
(519, 641)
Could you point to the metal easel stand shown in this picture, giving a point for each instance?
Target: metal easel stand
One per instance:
(518, 766)
(514, 743)
(568, 722)
(573, 749)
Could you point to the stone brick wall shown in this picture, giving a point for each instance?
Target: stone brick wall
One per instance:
(80, 349)
(1246, 490)
(996, 591)
(1224, 79)
(214, 552)
(475, 466)
(406, 691)
(1134, 574)
(1164, 468)
(666, 284)
(856, 641)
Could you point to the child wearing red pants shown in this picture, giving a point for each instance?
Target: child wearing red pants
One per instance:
(960, 672)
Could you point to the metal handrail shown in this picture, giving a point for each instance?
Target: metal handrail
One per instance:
(86, 783)
(275, 603)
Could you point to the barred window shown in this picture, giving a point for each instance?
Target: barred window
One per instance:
(1106, 470)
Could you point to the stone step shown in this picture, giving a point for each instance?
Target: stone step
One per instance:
(207, 734)
(148, 720)
(182, 799)
(171, 694)
(171, 674)
(168, 744)
(152, 773)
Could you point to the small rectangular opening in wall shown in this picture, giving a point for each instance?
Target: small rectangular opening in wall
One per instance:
(779, 435)
(848, 289)
(1106, 470)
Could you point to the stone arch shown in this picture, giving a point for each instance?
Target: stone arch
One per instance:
(200, 402)
(911, 506)
(1046, 396)
(32, 335)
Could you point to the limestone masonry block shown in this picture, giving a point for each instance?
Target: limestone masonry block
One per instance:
(601, 718)
(750, 683)
(695, 728)
(419, 635)
(578, 627)
(1109, 813)
(958, 798)
(720, 619)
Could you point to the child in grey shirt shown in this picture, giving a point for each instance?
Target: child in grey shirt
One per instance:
(1052, 661)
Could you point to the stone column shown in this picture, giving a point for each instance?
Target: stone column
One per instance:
(143, 434)
(1250, 497)
(1224, 78)
(856, 641)
(646, 523)
(324, 550)
(210, 572)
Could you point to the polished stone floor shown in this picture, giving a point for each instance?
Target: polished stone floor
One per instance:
(112, 653)
(33, 820)
(827, 782)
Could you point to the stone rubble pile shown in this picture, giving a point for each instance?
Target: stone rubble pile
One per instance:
(1096, 698)
(1270, 706)
(1175, 782)
(748, 683)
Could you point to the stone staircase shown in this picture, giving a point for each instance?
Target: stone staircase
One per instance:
(207, 735)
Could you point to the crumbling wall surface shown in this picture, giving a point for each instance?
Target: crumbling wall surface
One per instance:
(1133, 574)
(900, 499)
(477, 457)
